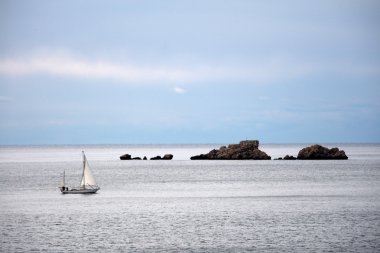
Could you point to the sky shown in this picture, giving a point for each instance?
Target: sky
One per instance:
(165, 72)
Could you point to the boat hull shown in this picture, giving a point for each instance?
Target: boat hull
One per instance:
(80, 191)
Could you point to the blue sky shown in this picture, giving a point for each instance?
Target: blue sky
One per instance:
(92, 72)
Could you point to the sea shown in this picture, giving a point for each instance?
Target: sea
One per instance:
(189, 206)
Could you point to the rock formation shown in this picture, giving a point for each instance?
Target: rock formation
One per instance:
(126, 157)
(318, 152)
(129, 157)
(165, 157)
(289, 157)
(245, 150)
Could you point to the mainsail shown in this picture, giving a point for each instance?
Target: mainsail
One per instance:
(63, 180)
(87, 178)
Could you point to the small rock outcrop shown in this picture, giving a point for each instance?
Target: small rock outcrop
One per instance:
(129, 157)
(245, 150)
(126, 157)
(165, 157)
(318, 152)
(289, 157)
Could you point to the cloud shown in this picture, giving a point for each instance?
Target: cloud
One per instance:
(64, 65)
(179, 90)
(257, 71)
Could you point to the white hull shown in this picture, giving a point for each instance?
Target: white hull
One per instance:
(80, 191)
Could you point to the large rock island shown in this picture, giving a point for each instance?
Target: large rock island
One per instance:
(245, 150)
(318, 152)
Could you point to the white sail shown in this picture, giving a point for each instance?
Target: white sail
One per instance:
(87, 178)
(63, 180)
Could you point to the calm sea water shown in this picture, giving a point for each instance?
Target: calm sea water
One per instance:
(189, 206)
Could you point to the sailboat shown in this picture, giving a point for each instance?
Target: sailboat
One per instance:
(87, 183)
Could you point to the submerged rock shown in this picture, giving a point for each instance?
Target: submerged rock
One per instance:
(318, 152)
(245, 150)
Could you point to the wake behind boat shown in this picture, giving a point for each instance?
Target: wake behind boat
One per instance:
(87, 183)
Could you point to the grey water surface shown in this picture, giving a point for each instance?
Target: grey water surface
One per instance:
(189, 206)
